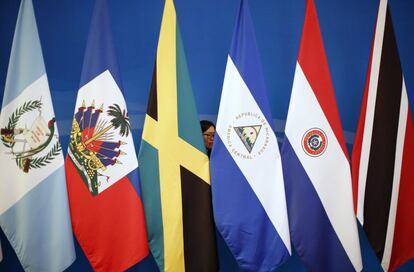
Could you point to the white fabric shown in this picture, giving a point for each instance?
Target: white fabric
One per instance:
(262, 167)
(15, 183)
(103, 90)
(330, 172)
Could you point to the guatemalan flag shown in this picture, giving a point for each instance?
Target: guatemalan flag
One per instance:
(315, 164)
(101, 166)
(246, 170)
(34, 212)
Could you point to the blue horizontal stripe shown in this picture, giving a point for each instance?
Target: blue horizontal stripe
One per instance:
(133, 177)
(240, 217)
(245, 55)
(312, 234)
(100, 50)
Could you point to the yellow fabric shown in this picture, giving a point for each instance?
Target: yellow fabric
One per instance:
(172, 150)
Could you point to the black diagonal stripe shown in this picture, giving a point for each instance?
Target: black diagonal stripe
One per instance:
(198, 227)
(152, 101)
(384, 135)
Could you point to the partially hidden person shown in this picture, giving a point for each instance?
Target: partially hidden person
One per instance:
(209, 130)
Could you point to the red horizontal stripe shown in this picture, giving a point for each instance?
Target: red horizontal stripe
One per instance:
(110, 227)
(312, 59)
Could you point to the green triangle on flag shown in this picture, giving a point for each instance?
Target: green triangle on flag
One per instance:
(248, 135)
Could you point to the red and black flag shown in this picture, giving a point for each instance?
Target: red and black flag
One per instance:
(383, 180)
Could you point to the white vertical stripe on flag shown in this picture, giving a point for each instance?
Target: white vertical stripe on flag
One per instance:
(402, 124)
(369, 115)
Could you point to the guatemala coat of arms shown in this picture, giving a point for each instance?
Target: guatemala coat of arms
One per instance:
(30, 139)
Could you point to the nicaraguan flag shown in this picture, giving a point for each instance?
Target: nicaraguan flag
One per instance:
(315, 164)
(101, 166)
(34, 213)
(246, 170)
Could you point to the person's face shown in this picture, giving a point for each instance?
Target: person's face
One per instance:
(209, 137)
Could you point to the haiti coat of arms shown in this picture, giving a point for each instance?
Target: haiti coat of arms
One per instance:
(92, 147)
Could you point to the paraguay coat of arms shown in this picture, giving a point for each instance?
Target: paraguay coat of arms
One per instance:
(92, 147)
(32, 142)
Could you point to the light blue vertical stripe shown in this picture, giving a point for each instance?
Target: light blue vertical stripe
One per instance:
(38, 226)
(26, 60)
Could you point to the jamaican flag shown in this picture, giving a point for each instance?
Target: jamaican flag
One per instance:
(174, 166)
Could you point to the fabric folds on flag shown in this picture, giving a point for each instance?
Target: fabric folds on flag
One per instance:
(101, 166)
(174, 167)
(383, 151)
(246, 169)
(315, 163)
(34, 212)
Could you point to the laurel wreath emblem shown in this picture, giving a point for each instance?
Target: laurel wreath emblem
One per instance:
(15, 117)
(42, 161)
(8, 140)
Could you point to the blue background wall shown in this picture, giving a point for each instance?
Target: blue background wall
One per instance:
(347, 28)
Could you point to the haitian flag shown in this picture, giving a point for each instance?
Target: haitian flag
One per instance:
(174, 166)
(34, 212)
(383, 178)
(101, 165)
(315, 164)
(246, 170)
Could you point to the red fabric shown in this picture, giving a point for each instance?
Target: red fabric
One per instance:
(94, 146)
(403, 245)
(312, 59)
(110, 227)
(87, 133)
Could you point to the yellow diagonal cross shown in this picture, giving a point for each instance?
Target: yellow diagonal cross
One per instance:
(172, 150)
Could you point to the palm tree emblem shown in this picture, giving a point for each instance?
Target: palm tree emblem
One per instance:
(92, 143)
(120, 120)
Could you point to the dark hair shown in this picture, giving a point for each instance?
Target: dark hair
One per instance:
(206, 124)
